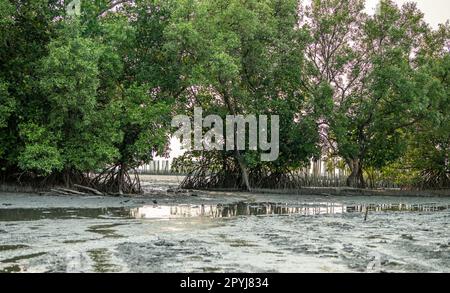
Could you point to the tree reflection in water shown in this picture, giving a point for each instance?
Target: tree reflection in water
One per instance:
(268, 208)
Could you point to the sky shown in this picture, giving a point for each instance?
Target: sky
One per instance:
(435, 11)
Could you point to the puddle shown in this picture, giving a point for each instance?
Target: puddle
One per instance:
(22, 257)
(105, 230)
(12, 247)
(209, 211)
(393, 207)
(101, 258)
(269, 208)
(30, 214)
(75, 241)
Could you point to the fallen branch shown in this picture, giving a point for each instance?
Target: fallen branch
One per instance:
(92, 190)
(71, 191)
(57, 191)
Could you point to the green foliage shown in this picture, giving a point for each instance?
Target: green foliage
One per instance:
(97, 91)
(427, 158)
(70, 80)
(41, 153)
(144, 123)
(376, 78)
(84, 102)
(246, 58)
(7, 105)
(25, 30)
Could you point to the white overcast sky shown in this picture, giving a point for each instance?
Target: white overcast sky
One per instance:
(435, 11)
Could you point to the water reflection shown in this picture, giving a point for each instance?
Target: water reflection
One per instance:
(210, 211)
(398, 207)
(228, 210)
(247, 209)
(21, 214)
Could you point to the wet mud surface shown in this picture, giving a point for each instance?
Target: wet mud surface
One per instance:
(223, 232)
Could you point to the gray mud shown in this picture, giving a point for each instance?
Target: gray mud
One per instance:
(223, 232)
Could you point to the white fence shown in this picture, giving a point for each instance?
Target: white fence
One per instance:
(316, 174)
(162, 167)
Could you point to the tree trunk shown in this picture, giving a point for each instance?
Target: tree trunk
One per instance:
(239, 158)
(67, 177)
(244, 171)
(356, 178)
(120, 178)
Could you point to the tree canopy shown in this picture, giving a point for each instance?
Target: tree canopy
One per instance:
(89, 97)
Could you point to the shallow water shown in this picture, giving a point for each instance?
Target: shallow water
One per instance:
(224, 232)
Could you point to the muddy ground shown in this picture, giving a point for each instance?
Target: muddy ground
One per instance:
(223, 232)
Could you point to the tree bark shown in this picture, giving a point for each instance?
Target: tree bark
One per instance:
(121, 178)
(356, 178)
(239, 158)
(67, 177)
(244, 171)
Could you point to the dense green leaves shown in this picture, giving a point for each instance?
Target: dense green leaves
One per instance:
(246, 58)
(40, 153)
(86, 93)
(375, 69)
(76, 100)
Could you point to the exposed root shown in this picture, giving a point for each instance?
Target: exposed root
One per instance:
(116, 179)
(220, 171)
(434, 179)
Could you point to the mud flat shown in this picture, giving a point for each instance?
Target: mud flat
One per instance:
(223, 232)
